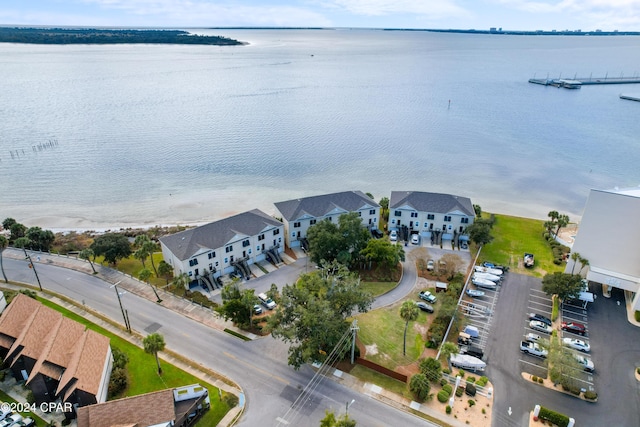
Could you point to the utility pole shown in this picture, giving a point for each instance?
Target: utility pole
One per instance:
(124, 316)
(31, 265)
(354, 329)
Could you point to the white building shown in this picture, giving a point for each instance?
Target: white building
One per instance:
(443, 215)
(231, 244)
(300, 214)
(608, 238)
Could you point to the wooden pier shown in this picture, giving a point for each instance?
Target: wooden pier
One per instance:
(577, 82)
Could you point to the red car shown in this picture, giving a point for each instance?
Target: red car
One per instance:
(576, 328)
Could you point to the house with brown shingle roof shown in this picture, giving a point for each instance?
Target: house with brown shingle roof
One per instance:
(56, 357)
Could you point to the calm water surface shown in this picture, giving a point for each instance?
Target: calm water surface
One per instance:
(95, 136)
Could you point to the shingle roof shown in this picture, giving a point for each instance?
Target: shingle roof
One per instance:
(217, 234)
(431, 202)
(143, 410)
(317, 206)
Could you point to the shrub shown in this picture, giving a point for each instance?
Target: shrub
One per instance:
(590, 394)
(448, 409)
(446, 371)
(540, 380)
(443, 396)
(470, 389)
(638, 368)
(484, 411)
(420, 387)
(637, 316)
(3, 374)
(118, 381)
(471, 402)
(482, 381)
(120, 359)
(459, 391)
(534, 379)
(471, 379)
(554, 417)
(444, 381)
(31, 398)
(230, 399)
(448, 388)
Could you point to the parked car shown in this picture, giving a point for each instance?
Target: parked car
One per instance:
(531, 337)
(586, 363)
(415, 239)
(266, 301)
(431, 265)
(540, 318)
(376, 233)
(257, 309)
(26, 422)
(428, 296)
(576, 344)
(4, 412)
(393, 236)
(425, 307)
(539, 326)
(576, 328)
(10, 420)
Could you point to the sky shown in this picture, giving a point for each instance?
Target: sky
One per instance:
(585, 15)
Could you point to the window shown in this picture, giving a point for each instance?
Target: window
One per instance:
(258, 248)
(279, 239)
(414, 214)
(296, 225)
(193, 262)
(359, 213)
(312, 221)
(431, 216)
(393, 221)
(261, 237)
(228, 248)
(276, 231)
(417, 224)
(464, 220)
(372, 212)
(217, 264)
(447, 218)
(212, 254)
(330, 219)
(397, 213)
(190, 273)
(226, 260)
(210, 267)
(245, 243)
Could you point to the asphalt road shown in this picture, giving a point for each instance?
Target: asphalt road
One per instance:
(259, 366)
(615, 351)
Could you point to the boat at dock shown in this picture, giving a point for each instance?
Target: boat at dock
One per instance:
(578, 82)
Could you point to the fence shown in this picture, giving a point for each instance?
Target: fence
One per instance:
(381, 369)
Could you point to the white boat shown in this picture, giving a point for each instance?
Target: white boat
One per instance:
(487, 276)
(483, 283)
(494, 271)
(470, 363)
(475, 293)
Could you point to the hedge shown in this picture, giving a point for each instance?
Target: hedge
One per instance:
(482, 381)
(459, 391)
(443, 396)
(590, 394)
(447, 388)
(556, 418)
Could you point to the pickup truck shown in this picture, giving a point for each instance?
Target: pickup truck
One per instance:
(533, 349)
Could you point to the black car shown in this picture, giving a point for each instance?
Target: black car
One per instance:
(540, 318)
(425, 307)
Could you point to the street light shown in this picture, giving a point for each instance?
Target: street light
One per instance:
(124, 316)
(348, 405)
(31, 265)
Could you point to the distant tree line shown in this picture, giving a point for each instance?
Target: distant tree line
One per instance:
(95, 36)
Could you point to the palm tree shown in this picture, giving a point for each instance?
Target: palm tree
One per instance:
(165, 270)
(182, 281)
(562, 221)
(3, 244)
(87, 254)
(408, 312)
(583, 263)
(448, 348)
(151, 247)
(153, 344)
(575, 256)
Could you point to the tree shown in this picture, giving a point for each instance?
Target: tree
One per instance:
(562, 221)
(312, 314)
(7, 223)
(22, 242)
(342, 242)
(165, 270)
(3, 244)
(237, 305)
(181, 281)
(553, 215)
(112, 246)
(431, 368)
(41, 240)
(480, 232)
(330, 420)
(575, 256)
(383, 253)
(452, 263)
(583, 263)
(562, 284)
(420, 387)
(145, 248)
(409, 312)
(384, 208)
(448, 348)
(17, 231)
(87, 254)
(369, 195)
(478, 210)
(144, 275)
(154, 343)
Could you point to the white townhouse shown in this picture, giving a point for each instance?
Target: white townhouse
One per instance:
(609, 238)
(426, 213)
(300, 214)
(230, 244)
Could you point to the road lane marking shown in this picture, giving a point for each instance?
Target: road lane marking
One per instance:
(267, 373)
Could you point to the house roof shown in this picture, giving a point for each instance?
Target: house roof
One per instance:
(143, 410)
(217, 234)
(431, 202)
(56, 343)
(318, 206)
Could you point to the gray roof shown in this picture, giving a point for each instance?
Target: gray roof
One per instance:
(318, 206)
(431, 202)
(217, 234)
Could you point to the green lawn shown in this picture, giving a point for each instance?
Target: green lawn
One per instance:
(133, 267)
(385, 328)
(378, 288)
(143, 376)
(513, 236)
(373, 377)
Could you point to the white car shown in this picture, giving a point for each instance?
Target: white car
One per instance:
(586, 363)
(577, 344)
(539, 326)
(393, 236)
(11, 420)
(531, 337)
(415, 239)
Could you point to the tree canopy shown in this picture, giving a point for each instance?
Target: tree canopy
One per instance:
(330, 420)
(312, 314)
(237, 304)
(562, 284)
(154, 343)
(480, 232)
(112, 246)
(383, 253)
(342, 242)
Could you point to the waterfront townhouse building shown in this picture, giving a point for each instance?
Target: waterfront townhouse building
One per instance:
(608, 237)
(229, 245)
(431, 215)
(300, 214)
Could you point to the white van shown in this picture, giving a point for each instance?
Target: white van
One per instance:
(266, 301)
